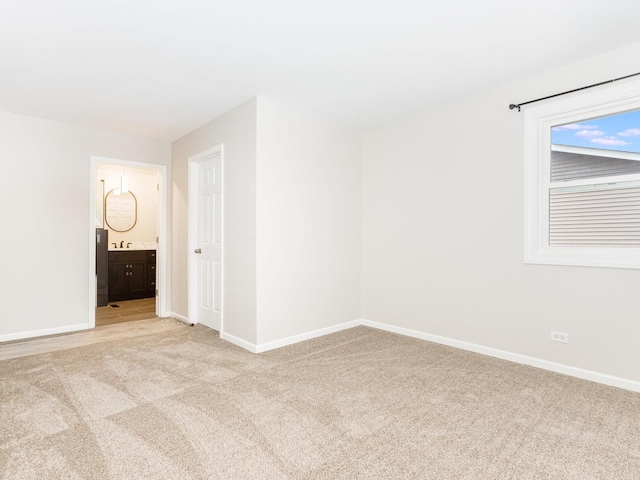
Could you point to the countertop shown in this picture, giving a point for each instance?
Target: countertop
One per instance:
(134, 246)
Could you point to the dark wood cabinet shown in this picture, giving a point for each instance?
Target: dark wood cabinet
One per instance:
(151, 271)
(132, 275)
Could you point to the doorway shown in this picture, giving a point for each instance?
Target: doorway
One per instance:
(128, 203)
(206, 267)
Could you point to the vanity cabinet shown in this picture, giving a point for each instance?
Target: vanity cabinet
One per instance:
(132, 275)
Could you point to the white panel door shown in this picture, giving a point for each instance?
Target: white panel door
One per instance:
(208, 242)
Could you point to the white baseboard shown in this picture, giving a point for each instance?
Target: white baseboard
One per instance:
(182, 318)
(512, 357)
(283, 342)
(252, 347)
(8, 337)
(265, 347)
(590, 375)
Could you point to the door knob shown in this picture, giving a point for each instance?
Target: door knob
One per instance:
(198, 250)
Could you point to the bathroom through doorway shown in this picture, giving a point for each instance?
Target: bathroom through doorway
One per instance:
(128, 241)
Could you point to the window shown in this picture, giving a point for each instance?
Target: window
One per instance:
(582, 179)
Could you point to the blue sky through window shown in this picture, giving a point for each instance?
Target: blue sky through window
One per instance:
(619, 132)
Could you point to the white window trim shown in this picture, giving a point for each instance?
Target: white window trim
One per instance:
(538, 121)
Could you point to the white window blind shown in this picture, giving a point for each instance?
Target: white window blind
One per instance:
(595, 216)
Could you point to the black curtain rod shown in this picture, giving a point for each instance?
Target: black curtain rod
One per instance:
(513, 105)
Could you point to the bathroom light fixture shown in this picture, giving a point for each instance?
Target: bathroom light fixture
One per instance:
(124, 184)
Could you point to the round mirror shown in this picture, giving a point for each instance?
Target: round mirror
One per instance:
(120, 210)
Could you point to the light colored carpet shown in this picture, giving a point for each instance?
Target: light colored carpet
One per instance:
(183, 404)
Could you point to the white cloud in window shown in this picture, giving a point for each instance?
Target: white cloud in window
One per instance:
(609, 141)
(574, 126)
(591, 133)
(632, 132)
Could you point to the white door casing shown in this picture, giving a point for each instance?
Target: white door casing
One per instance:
(205, 238)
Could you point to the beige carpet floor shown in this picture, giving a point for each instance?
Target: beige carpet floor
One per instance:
(180, 403)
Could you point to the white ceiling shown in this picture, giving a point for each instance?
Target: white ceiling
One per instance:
(160, 68)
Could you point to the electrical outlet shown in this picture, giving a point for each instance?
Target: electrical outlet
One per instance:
(559, 337)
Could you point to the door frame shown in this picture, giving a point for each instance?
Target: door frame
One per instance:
(193, 162)
(162, 298)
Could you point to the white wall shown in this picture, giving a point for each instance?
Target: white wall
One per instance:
(45, 219)
(442, 234)
(143, 186)
(236, 130)
(292, 221)
(308, 222)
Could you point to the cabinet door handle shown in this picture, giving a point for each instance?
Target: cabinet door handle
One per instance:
(198, 250)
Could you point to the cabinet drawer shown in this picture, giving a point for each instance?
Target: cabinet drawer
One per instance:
(128, 256)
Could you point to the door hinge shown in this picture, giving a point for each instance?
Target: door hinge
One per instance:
(158, 187)
(157, 241)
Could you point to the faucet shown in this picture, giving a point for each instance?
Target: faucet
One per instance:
(115, 245)
(128, 243)
(122, 244)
